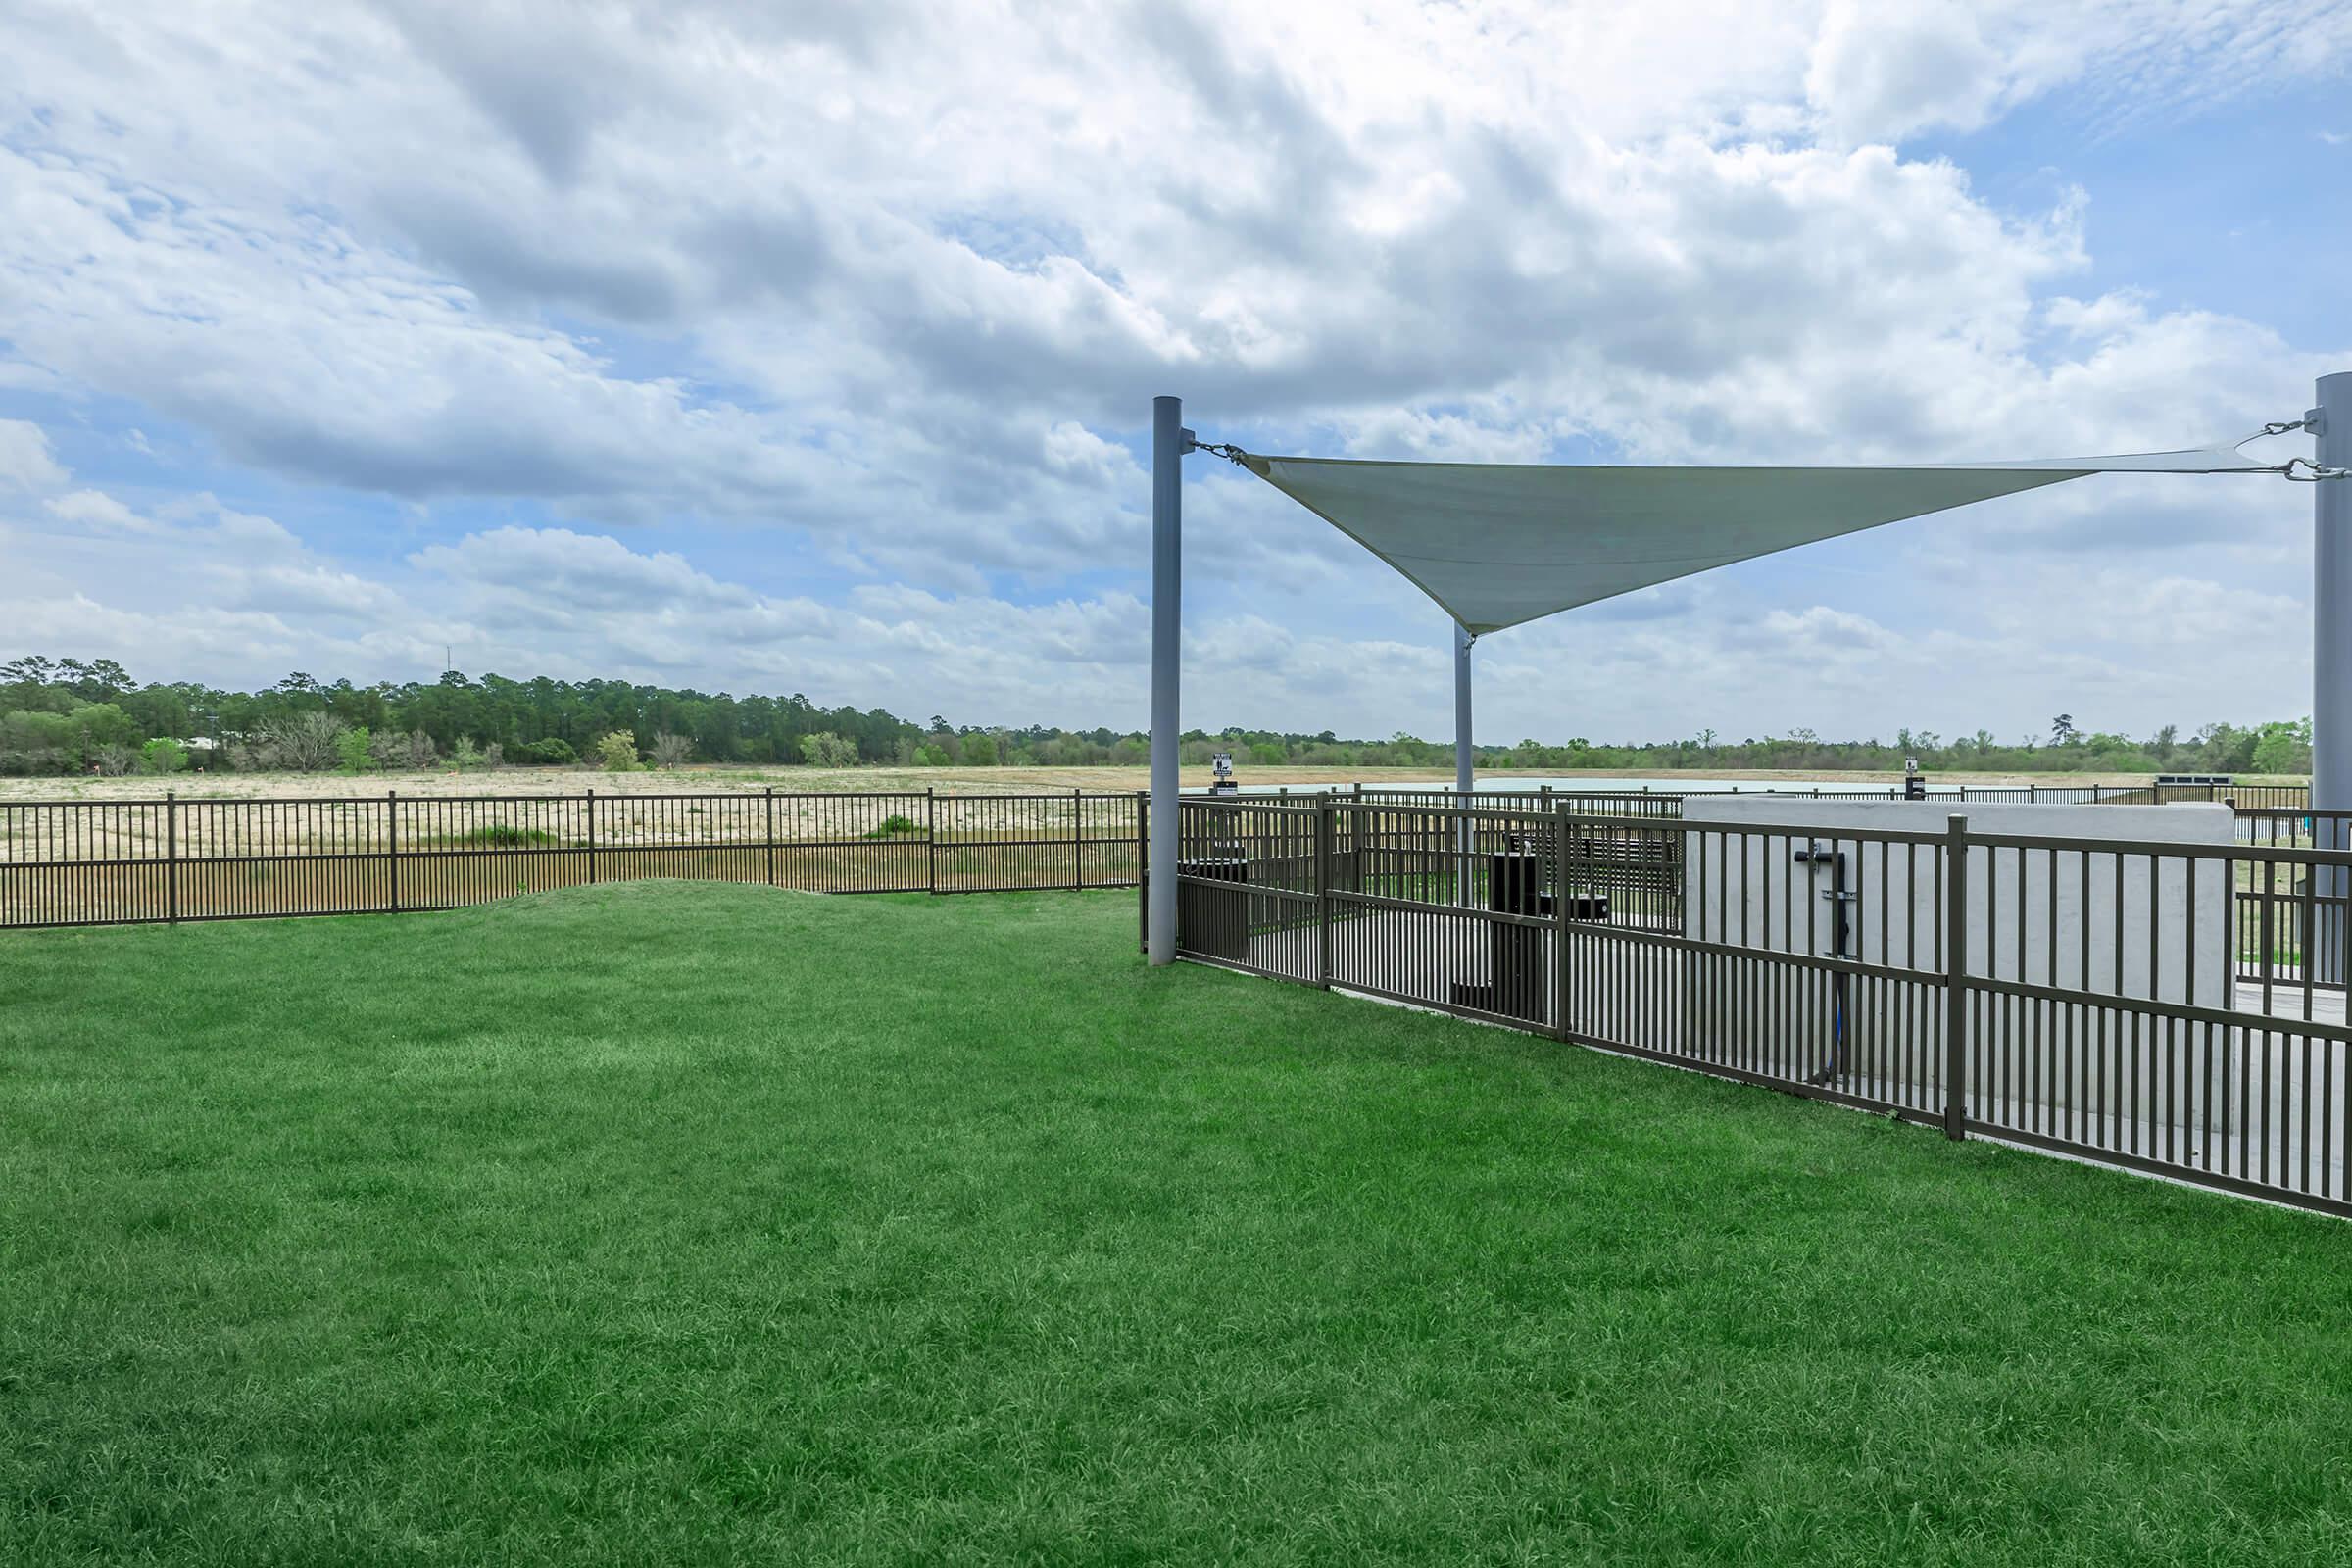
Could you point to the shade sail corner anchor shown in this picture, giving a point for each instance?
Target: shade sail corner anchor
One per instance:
(1220, 449)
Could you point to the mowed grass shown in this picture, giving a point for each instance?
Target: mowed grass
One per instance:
(668, 1223)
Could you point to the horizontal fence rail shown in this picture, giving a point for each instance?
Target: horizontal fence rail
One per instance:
(2278, 797)
(110, 862)
(2165, 1004)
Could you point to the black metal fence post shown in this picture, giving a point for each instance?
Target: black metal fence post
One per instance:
(931, 837)
(1143, 880)
(1559, 918)
(1325, 822)
(76, 871)
(1955, 978)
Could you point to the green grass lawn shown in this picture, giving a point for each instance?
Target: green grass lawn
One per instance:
(661, 1223)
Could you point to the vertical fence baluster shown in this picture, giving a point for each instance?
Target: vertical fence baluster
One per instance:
(1558, 818)
(1323, 843)
(1955, 978)
(392, 842)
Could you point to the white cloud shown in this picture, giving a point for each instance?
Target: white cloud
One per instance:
(27, 461)
(304, 590)
(888, 285)
(610, 606)
(95, 509)
(582, 570)
(1881, 73)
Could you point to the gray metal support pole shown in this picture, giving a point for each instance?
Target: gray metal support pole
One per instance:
(1465, 782)
(2331, 665)
(1167, 636)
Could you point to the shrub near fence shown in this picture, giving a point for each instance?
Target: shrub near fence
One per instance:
(83, 862)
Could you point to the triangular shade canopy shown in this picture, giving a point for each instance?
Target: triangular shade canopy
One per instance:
(1498, 544)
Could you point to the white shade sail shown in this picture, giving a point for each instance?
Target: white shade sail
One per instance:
(1498, 544)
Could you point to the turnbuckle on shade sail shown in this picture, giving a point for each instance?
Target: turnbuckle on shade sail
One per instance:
(1499, 544)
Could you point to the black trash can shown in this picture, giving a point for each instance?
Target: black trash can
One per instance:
(1514, 953)
(1213, 921)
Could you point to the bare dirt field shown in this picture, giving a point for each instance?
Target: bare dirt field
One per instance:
(241, 843)
(541, 781)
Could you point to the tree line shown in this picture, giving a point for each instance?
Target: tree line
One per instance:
(71, 715)
(2277, 747)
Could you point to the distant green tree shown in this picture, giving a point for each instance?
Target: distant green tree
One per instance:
(98, 724)
(162, 755)
(352, 750)
(825, 748)
(2284, 748)
(65, 715)
(553, 752)
(617, 751)
(37, 741)
(301, 741)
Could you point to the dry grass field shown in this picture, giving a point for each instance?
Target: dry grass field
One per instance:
(448, 783)
(238, 816)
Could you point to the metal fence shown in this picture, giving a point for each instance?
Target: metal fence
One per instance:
(1668, 802)
(109, 862)
(2170, 1007)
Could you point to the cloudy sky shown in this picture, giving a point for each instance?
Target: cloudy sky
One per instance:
(810, 347)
